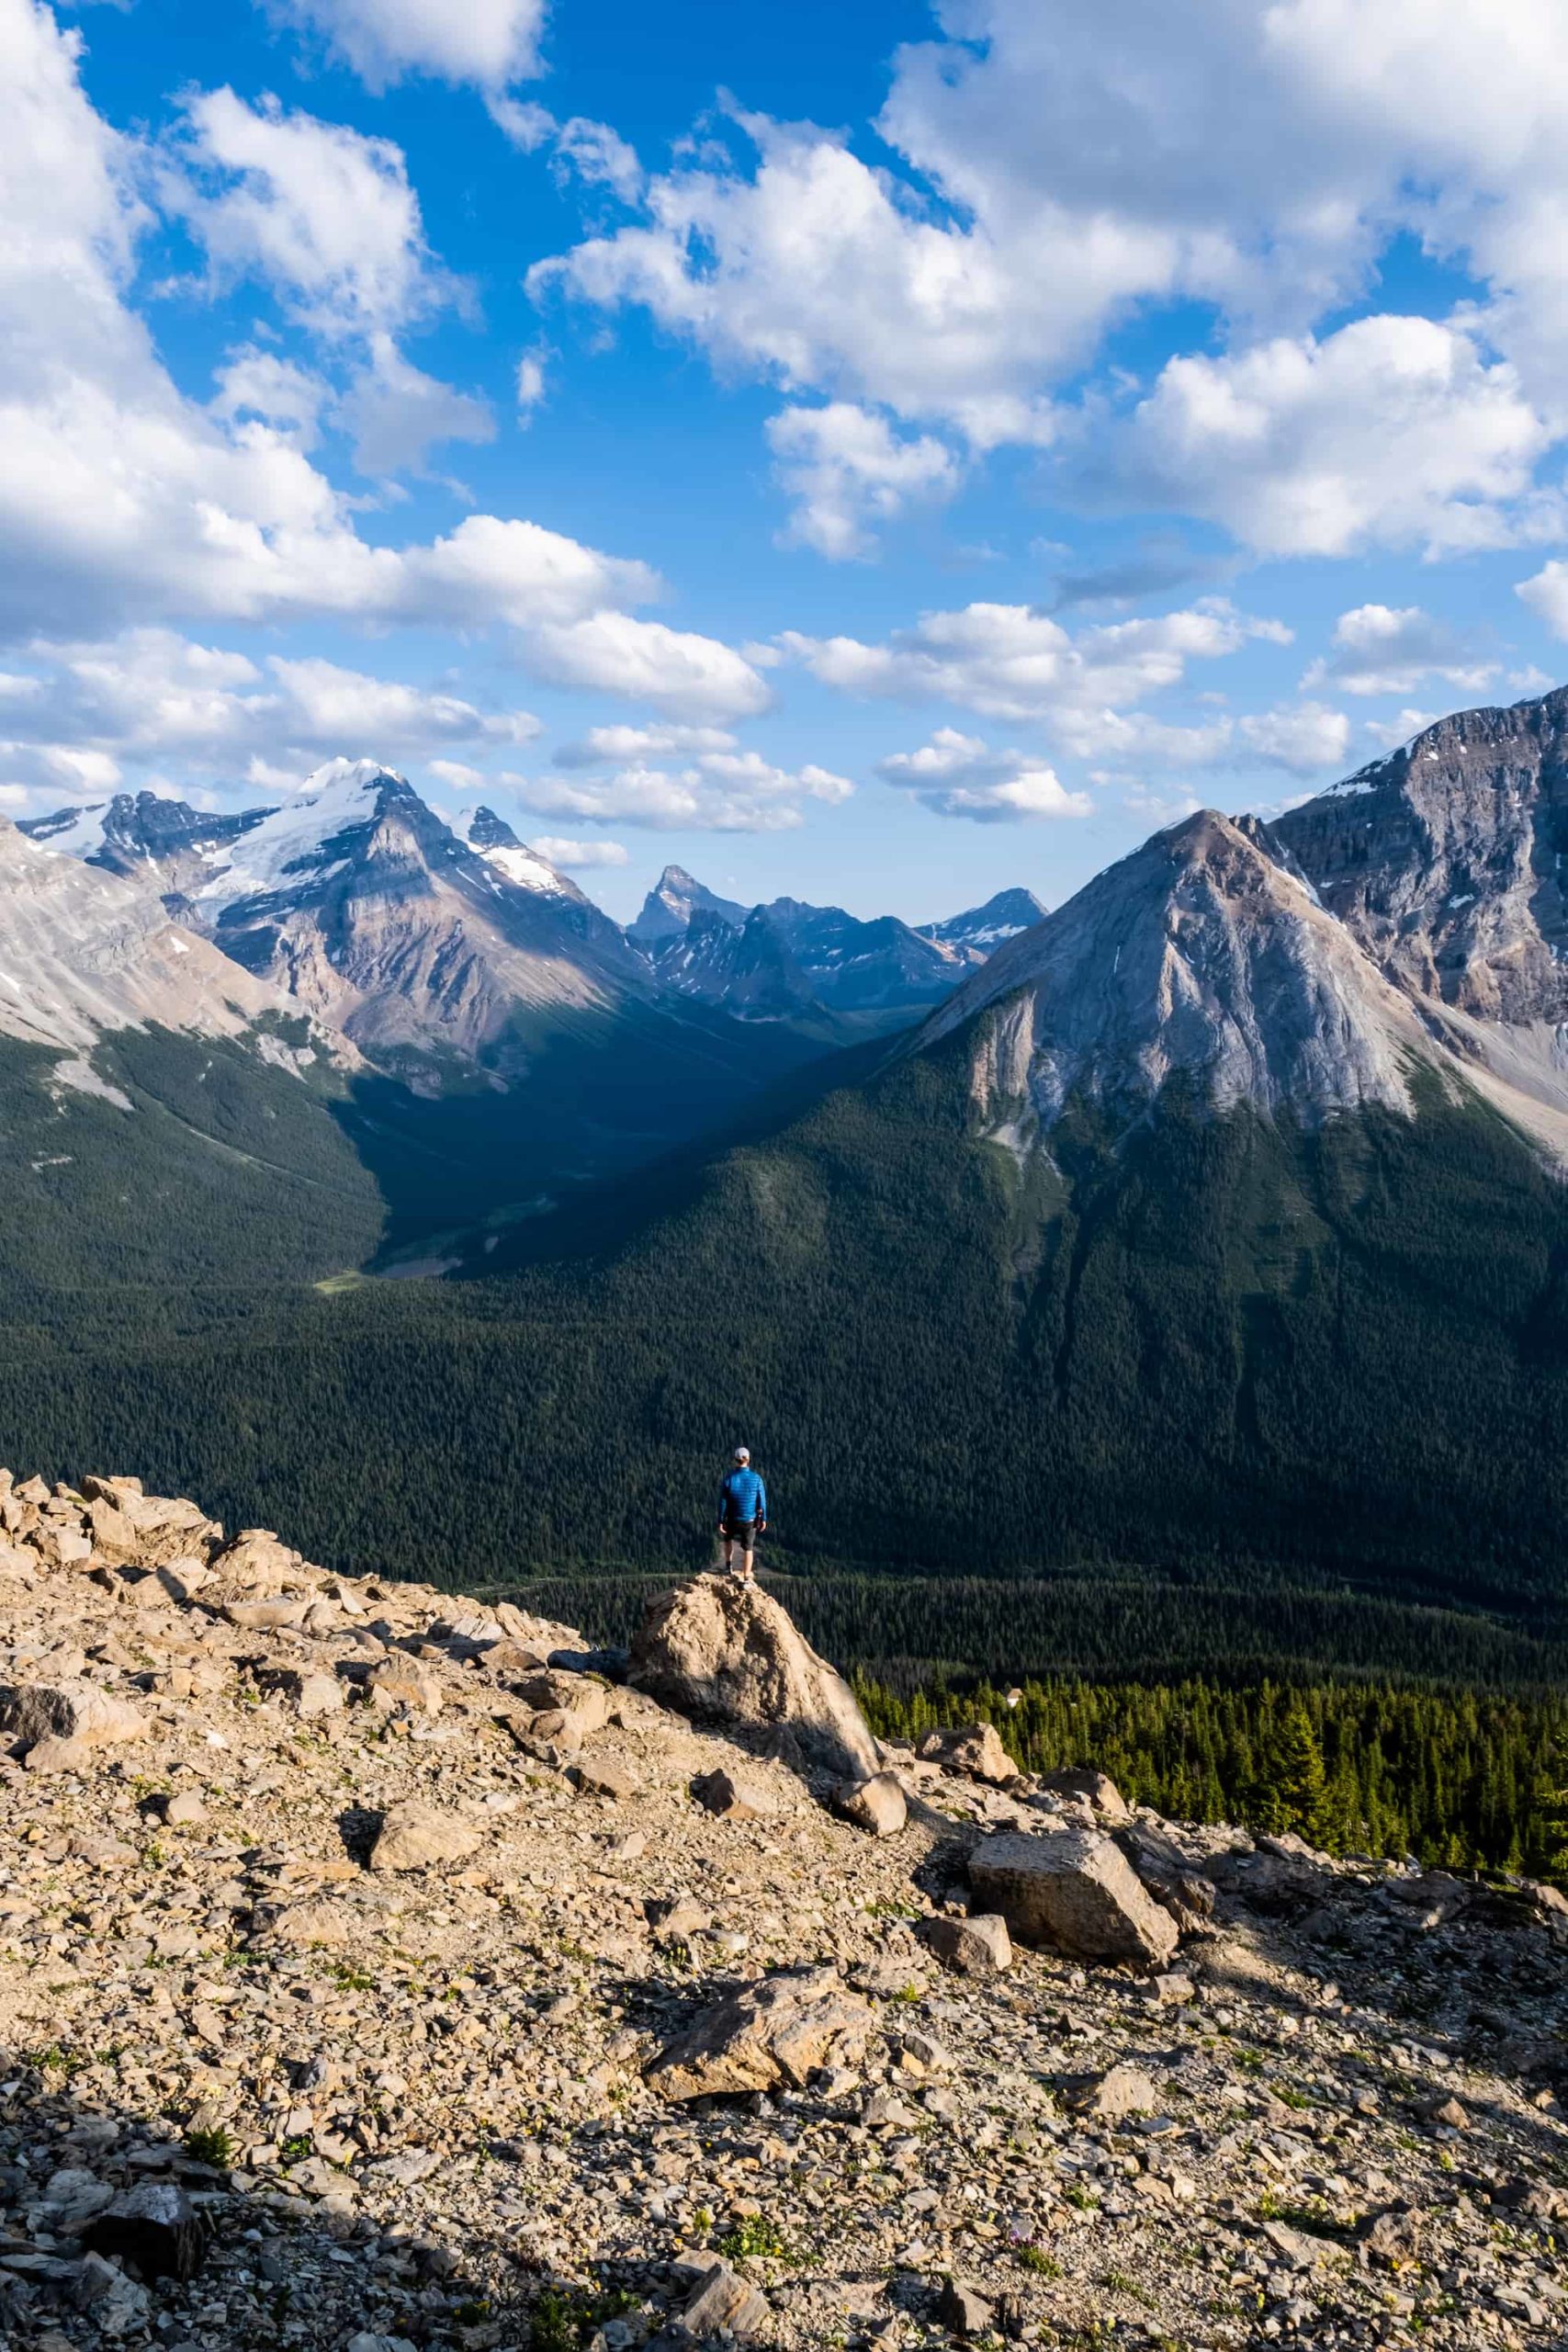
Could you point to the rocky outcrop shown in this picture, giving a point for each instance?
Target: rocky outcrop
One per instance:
(1445, 860)
(972, 1748)
(722, 1648)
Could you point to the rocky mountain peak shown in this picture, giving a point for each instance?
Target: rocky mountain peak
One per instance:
(977, 933)
(1449, 860)
(1197, 956)
(83, 952)
(670, 904)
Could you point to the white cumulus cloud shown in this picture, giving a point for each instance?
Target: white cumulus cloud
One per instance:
(582, 857)
(960, 775)
(847, 470)
(152, 699)
(1385, 650)
(720, 791)
(1391, 431)
(671, 669)
(486, 42)
(1011, 661)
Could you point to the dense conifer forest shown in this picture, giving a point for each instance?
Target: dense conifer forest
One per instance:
(1451, 1777)
(1213, 1392)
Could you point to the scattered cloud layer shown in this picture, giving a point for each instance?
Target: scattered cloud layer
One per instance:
(1011, 661)
(155, 701)
(487, 42)
(960, 775)
(723, 791)
(1377, 649)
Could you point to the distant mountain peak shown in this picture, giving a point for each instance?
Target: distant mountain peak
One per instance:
(670, 904)
(978, 931)
(83, 952)
(499, 846)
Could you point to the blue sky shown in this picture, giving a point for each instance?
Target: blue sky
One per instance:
(874, 454)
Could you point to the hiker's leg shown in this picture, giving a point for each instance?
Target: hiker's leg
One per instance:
(728, 1553)
(747, 1542)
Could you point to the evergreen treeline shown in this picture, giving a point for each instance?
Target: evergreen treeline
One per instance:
(1216, 1387)
(1455, 1778)
(909, 1631)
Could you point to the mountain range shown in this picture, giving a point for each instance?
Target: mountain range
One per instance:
(1211, 1227)
(492, 1033)
(787, 960)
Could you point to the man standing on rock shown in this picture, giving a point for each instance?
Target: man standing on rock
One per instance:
(742, 1512)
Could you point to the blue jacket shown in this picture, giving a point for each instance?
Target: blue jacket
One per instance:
(743, 1497)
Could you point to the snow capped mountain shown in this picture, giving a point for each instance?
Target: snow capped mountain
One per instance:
(144, 834)
(980, 930)
(83, 952)
(670, 904)
(495, 840)
(370, 910)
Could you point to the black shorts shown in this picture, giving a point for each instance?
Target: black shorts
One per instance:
(742, 1531)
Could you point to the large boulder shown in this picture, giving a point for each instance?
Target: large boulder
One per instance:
(1075, 1890)
(68, 1710)
(972, 1749)
(721, 1649)
(1164, 1870)
(1096, 1787)
(778, 2030)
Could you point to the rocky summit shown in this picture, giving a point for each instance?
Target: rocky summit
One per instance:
(384, 1970)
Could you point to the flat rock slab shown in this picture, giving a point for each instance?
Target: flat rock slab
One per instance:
(414, 1837)
(1075, 1891)
(778, 2030)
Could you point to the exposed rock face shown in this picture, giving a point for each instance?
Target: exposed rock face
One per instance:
(1449, 860)
(135, 831)
(721, 1647)
(780, 2031)
(749, 970)
(1075, 1890)
(360, 901)
(82, 951)
(1198, 958)
(674, 898)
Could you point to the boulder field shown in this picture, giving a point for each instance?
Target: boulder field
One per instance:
(384, 1970)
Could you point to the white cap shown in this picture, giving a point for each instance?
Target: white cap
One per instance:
(743, 1453)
